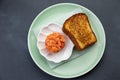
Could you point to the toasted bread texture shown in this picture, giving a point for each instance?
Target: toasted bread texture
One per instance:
(79, 30)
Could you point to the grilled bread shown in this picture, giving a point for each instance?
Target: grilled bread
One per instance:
(79, 30)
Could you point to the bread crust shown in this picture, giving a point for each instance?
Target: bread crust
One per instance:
(86, 40)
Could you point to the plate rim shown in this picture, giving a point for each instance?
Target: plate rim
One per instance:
(60, 76)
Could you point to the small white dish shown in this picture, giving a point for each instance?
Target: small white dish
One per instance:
(63, 54)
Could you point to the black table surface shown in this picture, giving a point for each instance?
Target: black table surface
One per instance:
(16, 17)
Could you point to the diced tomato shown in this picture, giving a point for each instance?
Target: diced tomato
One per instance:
(55, 42)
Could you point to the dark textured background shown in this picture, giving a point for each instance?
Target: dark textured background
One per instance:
(16, 17)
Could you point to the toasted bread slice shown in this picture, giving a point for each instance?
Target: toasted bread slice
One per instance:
(78, 29)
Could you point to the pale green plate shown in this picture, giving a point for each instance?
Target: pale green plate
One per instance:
(80, 65)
